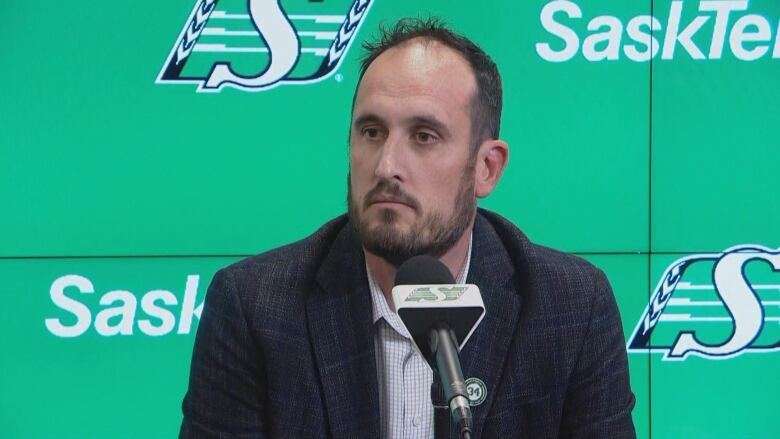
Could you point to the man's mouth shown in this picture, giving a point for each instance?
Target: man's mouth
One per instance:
(390, 196)
(389, 201)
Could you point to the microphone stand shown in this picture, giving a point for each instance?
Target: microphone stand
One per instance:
(441, 411)
(451, 391)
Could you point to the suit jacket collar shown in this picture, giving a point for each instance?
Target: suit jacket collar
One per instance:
(340, 323)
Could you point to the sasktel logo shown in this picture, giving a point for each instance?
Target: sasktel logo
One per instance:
(715, 306)
(120, 314)
(747, 36)
(255, 45)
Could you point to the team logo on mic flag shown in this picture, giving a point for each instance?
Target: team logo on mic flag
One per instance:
(419, 306)
(256, 45)
(714, 305)
(436, 294)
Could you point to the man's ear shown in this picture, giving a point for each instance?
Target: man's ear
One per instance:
(492, 158)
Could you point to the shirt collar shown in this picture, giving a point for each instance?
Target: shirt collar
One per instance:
(380, 308)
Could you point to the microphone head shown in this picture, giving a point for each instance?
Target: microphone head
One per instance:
(426, 295)
(421, 270)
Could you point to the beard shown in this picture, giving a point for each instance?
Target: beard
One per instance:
(431, 234)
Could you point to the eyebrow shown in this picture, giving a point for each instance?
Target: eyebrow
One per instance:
(418, 119)
(431, 121)
(366, 118)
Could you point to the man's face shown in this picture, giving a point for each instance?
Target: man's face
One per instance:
(411, 182)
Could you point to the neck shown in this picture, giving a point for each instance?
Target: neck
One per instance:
(384, 272)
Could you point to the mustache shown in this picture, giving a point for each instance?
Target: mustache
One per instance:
(388, 189)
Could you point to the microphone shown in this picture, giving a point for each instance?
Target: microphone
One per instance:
(440, 315)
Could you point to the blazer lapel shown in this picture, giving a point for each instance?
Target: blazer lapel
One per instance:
(484, 354)
(341, 333)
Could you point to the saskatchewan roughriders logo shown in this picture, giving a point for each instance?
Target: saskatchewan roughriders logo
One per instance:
(715, 305)
(255, 45)
(435, 294)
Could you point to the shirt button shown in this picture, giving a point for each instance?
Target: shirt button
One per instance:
(416, 421)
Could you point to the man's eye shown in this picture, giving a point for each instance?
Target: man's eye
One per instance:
(371, 133)
(424, 137)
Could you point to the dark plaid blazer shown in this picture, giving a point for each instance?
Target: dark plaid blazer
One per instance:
(285, 346)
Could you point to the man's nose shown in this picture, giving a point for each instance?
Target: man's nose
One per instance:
(391, 158)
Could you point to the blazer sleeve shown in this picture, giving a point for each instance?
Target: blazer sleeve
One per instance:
(225, 397)
(599, 400)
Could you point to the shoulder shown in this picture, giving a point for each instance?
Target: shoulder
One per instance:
(546, 276)
(566, 268)
(567, 285)
(563, 296)
(537, 259)
(286, 268)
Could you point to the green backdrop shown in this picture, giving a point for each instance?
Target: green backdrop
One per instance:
(127, 179)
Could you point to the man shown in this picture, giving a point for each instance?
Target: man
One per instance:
(303, 341)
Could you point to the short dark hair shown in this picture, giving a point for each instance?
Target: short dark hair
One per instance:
(487, 101)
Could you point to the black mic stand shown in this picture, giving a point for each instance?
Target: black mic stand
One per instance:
(441, 411)
(448, 390)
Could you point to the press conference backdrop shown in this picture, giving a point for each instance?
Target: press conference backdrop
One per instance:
(144, 145)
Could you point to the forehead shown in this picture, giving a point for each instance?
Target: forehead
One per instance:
(418, 75)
